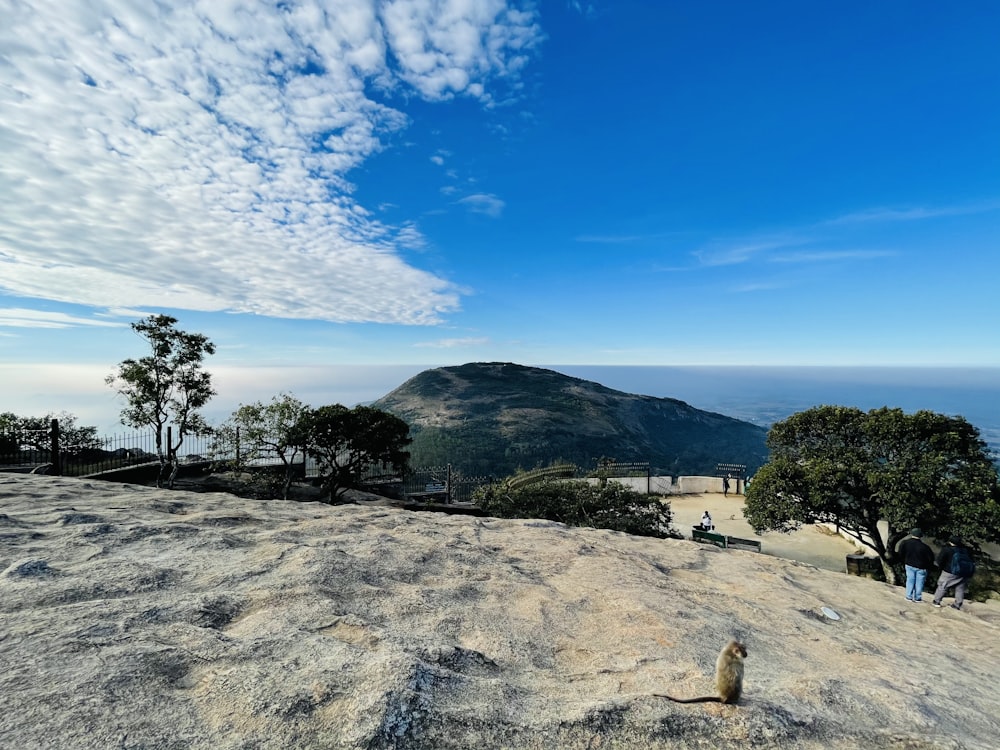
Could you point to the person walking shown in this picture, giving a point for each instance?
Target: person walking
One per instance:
(725, 486)
(917, 558)
(957, 567)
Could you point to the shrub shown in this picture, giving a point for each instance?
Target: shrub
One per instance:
(613, 506)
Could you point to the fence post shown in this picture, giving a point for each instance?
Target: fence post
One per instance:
(54, 457)
(236, 467)
(447, 486)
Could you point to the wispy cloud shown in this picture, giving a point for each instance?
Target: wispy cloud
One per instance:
(19, 317)
(740, 251)
(827, 256)
(765, 285)
(626, 238)
(482, 203)
(820, 242)
(440, 157)
(197, 154)
(453, 343)
(914, 213)
(586, 9)
(609, 239)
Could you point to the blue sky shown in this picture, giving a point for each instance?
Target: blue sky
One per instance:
(418, 183)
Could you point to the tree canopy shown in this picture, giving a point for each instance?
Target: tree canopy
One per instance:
(345, 442)
(856, 469)
(167, 386)
(258, 433)
(19, 433)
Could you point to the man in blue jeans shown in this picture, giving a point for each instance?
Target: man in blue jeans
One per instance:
(917, 558)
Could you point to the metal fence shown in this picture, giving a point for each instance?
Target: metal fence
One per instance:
(435, 484)
(45, 451)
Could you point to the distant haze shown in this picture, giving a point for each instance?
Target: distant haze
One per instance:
(762, 395)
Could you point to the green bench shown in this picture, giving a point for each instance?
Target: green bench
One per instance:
(737, 543)
(709, 537)
(725, 542)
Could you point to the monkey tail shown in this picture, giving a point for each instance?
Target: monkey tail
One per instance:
(703, 699)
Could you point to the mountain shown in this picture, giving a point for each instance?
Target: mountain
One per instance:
(494, 418)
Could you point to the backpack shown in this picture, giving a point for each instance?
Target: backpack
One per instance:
(962, 563)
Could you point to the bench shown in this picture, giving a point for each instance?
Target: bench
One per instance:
(428, 497)
(737, 543)
(725, 542)
(709, 537)
(433, 492)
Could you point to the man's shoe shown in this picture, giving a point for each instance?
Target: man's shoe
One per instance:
(919, 601)
(955, 606)
(937, 604)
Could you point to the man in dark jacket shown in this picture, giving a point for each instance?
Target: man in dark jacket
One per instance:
(917, 558)
(948, 579)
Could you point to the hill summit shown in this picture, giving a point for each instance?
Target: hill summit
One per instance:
(497, 417)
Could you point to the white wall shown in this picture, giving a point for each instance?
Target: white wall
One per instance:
(690, 485)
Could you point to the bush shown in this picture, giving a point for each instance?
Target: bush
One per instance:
(613, 506)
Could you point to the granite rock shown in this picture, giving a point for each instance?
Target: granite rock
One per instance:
(139, 618)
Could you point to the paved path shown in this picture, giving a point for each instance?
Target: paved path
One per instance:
(811, 544)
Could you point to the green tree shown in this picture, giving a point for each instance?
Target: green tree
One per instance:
(857, 469)
(256, 433)
(10, 435)
(605, 506)
(345, 442)
(34, 433)
(167, 386)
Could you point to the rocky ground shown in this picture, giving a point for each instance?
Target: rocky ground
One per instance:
(132, 617)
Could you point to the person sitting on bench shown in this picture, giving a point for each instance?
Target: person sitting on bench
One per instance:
(706, 521)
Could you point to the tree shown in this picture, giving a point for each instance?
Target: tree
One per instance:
(611, 505)
(345, 442)
(10, 435)
(257, 433)
(35, 434)
(166, 386)
(856, 469)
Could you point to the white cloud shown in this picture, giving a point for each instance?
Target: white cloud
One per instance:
(195, 155)
(918, 213)
(826, 256)
(449, 47)
(609, 239)
(482, 203)
(453, 343)
(19, 317)
(736, 253)
(588, 10)
(440, 157)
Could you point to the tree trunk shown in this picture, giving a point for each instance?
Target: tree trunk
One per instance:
(888, 571)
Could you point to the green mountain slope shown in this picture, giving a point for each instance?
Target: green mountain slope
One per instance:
(494, 418)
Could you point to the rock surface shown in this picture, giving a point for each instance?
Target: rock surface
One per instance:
(140, 618)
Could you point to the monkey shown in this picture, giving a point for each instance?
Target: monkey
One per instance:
(728, 677)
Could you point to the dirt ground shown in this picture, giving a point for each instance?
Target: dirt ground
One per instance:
(811, 544)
